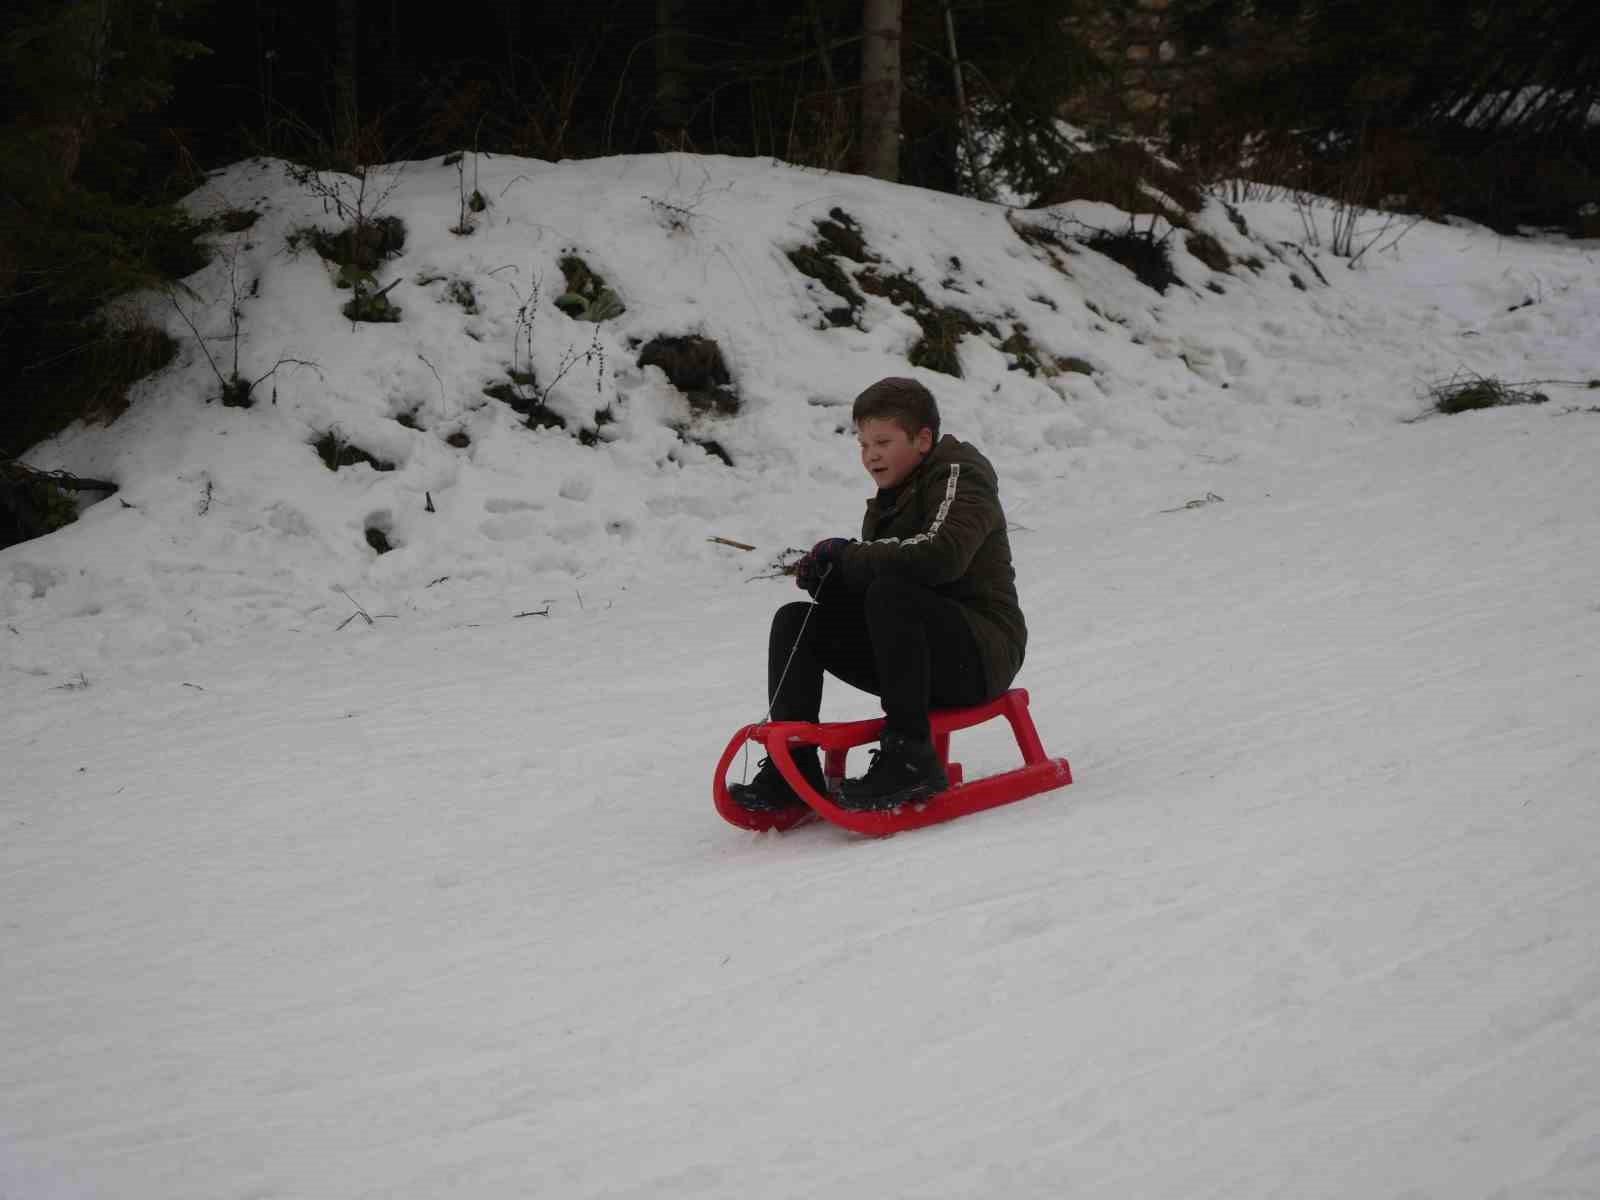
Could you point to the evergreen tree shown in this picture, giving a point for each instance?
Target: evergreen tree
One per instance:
(79, 220)
(1479, 106)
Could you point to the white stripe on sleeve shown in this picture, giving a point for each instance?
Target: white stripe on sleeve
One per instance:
(932, 531)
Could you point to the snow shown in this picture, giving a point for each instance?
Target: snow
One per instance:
(297, 905)
(1517, 106)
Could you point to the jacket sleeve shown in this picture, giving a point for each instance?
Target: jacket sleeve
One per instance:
(966, 512)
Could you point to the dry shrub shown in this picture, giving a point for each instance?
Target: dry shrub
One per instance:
(1467, 394)
(822, 133)
(362, 245)
(1121, 175)
(88, 381)
(1147, 256)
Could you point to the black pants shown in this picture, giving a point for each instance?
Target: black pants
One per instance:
(897, 640)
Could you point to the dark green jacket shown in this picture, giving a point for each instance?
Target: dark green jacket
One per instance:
(943, 527)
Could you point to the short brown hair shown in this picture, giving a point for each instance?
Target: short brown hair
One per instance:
(904, 401)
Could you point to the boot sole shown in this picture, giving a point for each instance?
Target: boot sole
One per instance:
(739, 794)
(921, 791)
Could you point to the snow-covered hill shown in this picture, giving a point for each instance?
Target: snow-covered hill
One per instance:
(436, 905)
(228, 520)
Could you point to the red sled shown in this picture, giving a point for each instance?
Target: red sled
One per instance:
(1039, 772)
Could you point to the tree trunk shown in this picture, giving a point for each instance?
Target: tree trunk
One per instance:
(958, 83)
(346, 112)
(672, 71)
(880, 89)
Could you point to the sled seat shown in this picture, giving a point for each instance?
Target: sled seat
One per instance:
(1038, 773)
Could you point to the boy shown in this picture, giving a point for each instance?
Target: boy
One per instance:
(922, 611)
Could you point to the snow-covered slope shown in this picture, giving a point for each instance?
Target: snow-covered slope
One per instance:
(438, 905)
(228, 521)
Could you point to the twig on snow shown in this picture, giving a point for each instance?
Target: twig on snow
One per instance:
(1208, 498)
(435, 371)
(360, 612)
(1312, 263)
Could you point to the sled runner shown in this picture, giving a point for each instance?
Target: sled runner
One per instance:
(1039, 772)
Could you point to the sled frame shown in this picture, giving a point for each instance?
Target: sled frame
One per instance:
(1039, 772)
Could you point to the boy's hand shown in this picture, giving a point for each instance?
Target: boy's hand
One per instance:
(812, 568)
(827, 551)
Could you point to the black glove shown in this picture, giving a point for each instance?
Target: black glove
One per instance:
(812, 568)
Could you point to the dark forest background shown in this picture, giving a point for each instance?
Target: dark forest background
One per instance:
(114, 108)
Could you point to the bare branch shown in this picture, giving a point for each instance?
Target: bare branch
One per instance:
(282, 362)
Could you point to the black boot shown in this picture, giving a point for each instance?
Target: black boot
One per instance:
(769, 791)
(902, 770)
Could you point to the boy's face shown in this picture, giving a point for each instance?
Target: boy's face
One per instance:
(888, 452)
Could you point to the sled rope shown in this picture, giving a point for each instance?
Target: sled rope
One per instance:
(744, 765)
(794, 649)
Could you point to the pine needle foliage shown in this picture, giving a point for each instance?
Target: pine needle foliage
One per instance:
(81, 220)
